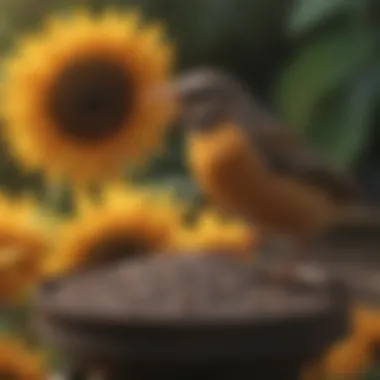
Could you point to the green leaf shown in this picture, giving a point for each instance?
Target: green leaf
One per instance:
(307, 14)
(180, 185)
(373, 373)
(200, 26)
(323, 65)
(343, 126)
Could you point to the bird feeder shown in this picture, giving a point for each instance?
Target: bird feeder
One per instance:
(190, 317)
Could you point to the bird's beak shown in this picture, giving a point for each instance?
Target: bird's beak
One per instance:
(167, 92)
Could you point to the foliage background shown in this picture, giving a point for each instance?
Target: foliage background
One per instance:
(315, 62)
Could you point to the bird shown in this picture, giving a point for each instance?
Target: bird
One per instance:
(251, 165)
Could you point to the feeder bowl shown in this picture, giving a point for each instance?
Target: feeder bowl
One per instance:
(200, 316)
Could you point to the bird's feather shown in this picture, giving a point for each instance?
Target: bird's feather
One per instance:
(286, 154)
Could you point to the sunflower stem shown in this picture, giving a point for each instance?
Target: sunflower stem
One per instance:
(53, 196)
(13, 319)
(83, 200)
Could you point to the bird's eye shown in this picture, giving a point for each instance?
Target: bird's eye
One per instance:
(190, 97)
(201, 96)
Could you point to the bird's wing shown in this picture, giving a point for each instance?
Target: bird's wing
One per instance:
(288, 155)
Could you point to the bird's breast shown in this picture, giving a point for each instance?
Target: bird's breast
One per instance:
(221, 160)
(232, 174)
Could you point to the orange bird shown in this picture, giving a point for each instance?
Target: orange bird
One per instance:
(251, 165)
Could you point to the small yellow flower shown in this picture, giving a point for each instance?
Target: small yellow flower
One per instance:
(76, 97)
(368, 323)
(128, 222)
(354, 355)
(16, 362)
(23, 246)
(348, 358)
(213, 233)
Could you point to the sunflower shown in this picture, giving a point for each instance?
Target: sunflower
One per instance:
(368, 323)
(127, 222)
(353, 355)
(212, 232)
(22, 249)
(16, 362)
(76, 97)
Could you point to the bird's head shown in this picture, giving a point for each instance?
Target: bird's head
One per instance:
(205, 97)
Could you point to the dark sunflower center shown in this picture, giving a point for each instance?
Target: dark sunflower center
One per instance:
(114, 249)
(91, 99)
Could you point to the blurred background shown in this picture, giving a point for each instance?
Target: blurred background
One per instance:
(316, 63)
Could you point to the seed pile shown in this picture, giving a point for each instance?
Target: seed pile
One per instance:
(180, 288)
(362, 278)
